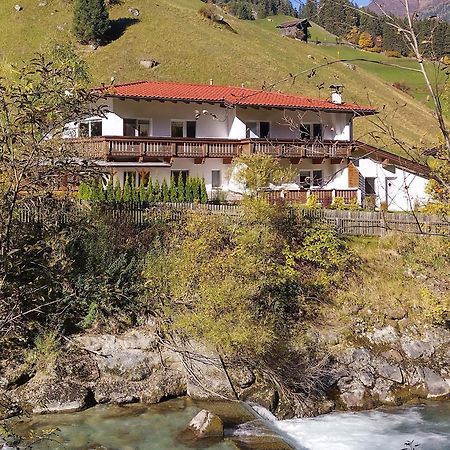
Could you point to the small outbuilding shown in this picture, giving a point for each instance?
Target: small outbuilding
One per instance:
(297, 29)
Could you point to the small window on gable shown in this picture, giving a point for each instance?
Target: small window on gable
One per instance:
(369, 186)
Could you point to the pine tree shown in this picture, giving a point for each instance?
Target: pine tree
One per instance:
(150, 190)
(203, 192)
(90, 21)
(156, 191)
(110, 190)
(165, 192)
(195, 189)
(126, 190)
(173, 190)
(134, 192)
(142, 194)
(83, 191)
(180, 188)
(309, 10)
(117, 192)
(100, 190)
(188, 190)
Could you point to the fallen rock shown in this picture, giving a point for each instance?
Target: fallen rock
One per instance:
(149, 63)
(353, 393)
(416, 349)
(436, 385)
(382, 390)
(386, 335)
(53, 396)
(389, 371)
(134, 12)
(206, 425)
(18, 8)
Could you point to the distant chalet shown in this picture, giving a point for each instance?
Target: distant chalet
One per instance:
(297, 29)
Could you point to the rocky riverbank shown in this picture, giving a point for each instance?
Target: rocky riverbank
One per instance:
(385, 367)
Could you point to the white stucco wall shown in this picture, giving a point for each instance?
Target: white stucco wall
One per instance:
(220, 122)
(400, 189)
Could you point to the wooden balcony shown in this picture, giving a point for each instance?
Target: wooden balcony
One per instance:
(123, 148)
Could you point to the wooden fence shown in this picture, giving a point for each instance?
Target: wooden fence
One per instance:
(356, 223)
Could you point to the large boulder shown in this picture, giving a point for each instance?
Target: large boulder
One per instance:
(206, 425)
(49, 395)
(436, 385)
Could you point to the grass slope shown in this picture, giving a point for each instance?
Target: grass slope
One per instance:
(190, 48)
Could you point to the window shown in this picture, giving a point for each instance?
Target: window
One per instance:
(255, 130)
(143, 178)
(310, 178)
(183, 128)
(369, 186)
(90, 128)
(310, 131)
(176, 173)
(264, 129)
(216, 178)
(136, 127)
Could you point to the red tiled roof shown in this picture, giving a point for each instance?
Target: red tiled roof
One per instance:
(227, 95)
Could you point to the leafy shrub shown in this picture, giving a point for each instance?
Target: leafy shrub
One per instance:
(365, 40)
(401, 86)
(392, 53)
(313, 202)
(374, 49)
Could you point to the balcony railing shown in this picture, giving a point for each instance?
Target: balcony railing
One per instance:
(123, 148)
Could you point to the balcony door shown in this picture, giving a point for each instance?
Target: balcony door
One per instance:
(183, 128)
(136, 127)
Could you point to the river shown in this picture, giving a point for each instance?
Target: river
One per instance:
(156, 427)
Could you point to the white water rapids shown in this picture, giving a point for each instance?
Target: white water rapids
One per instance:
(388, 429)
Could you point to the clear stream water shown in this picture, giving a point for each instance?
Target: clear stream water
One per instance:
(156, 427)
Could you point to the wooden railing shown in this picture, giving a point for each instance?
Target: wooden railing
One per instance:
(142, 148)
(324, 196)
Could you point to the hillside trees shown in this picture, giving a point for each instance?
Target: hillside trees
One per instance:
(90, 21)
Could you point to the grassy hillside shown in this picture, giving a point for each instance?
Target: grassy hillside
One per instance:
(190, 48)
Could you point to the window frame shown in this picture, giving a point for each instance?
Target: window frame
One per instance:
(136, 129)
(185, 127)
(310, 175)
(308, 128)
(89, 123)
(258, 129)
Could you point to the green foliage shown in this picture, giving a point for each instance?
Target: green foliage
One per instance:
(338, 203)
(110, 190)
(189, 192)
(134, 192)
(150, 195)
(142, 193)
(83, 191)
(195, 189)
(90, 21)
(257, 171)
(165, 192)
(157, 197)
(313, 202)
(173, 189)
(101, 194)
(240, 289)
(43, 356)
(180, 188)
(127, 192)
(117, 192)
(203, 192)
